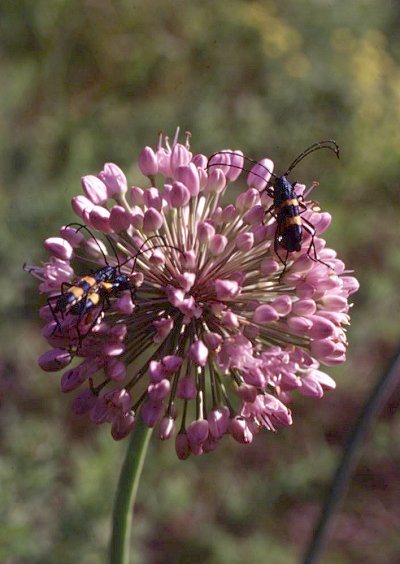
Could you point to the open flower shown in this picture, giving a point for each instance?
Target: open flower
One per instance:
(209, 338)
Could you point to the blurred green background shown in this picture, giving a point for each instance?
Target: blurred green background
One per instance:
(85, 82)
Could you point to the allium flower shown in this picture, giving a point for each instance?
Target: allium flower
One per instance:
(216, 340)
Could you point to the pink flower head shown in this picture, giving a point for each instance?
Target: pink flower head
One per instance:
(185, 316)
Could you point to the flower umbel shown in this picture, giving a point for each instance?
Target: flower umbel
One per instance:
(209, 338)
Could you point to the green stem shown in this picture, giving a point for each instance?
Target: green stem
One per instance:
(350, 455)
(126, 493)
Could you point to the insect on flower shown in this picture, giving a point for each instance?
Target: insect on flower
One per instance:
(92, 292)
(215, 344)
(287, 203)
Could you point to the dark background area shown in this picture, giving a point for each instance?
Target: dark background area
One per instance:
(85, 82)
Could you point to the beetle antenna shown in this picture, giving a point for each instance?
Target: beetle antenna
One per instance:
(80, 227)
(141, 252)
(266, 189)
(325, 144)
(248, 159)
(111, 242)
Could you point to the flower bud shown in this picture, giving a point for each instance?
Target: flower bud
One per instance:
(163, 326)
(299, 325)
(94, 189)
(137, 219)
(350, 284)
(124, 304)
(333, 302)
(180, 156)
(120, 219)
(226, 289)
(115, 369)
(200, 161)
(72, 235)
(218, 421)
(205, 231)
(152, 198)
(54, 359)
(254, 215)
(265, 314)
(269, 266)
(151, 412)
(247, 200)
(260, 174)
(58, 247)
(172, 362)
(122, 426)
(220, 161)
(304, 307)
(197, 431)
(189, 176)
(302, 264)
(179, 195)
(282, 305)
(159, 390)
(260, 233)
(230, 320)
(198, 352)
(246, 392)
(182, 446)
(189, 260)
(175, 295)
(240, 431)
(72, 379)
(99, 218)
(216, 181)
(323, 222)
(236, 166)
(83, 402)
(114, 179)
(229, 213)
(80, 204)
(305, 290)
(148, 162)
(244, 242)
(186, 388)
(137, 196)
(113, 349)
(216, 216)
(321, 328)
(212, 340)
(167, 428)
(217, 244)
(186, 280)
(152, 220)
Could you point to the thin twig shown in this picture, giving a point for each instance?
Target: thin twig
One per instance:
(351, 452)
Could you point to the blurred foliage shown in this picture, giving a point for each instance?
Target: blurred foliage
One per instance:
(90, 81)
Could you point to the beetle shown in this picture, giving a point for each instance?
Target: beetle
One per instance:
(95, 289)
(286, 204)
(92, 290)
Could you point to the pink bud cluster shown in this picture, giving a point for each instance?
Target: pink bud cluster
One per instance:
(224, 339)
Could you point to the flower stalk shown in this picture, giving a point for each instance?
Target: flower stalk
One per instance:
(128, 484)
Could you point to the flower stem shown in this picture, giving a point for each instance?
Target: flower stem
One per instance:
(351, 452)
(126, 493)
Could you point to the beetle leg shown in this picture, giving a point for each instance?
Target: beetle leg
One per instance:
(53, 313)
(94, 322)
(63, 286)
(276, 247)
(133, 294)
(311, 229)
(269, 210)
(80, 317)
